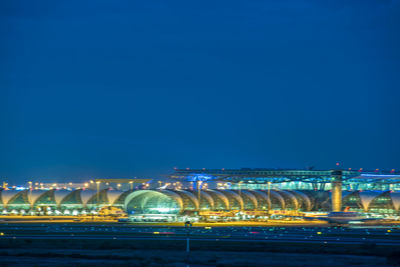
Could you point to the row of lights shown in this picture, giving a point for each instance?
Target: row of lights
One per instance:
(337, 164)
(38, 185)
(361, 169)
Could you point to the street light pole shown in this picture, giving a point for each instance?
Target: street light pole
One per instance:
(98, 189)
(199, 193)
(269, 196)
(131, 183)
(30, 194)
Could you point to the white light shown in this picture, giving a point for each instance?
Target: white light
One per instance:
(162, 209)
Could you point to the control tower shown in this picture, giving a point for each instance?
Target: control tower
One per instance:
(337, 190)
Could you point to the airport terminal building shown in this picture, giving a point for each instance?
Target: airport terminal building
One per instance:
(189, 202)
(239, 194)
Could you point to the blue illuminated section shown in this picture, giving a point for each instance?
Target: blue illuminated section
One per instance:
(199, 177)
(20, 188)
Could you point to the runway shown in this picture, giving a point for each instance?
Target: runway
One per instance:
(382, 242)
(387, 236)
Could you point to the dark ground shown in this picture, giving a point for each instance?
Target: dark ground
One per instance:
(75, 252)
(127, 245)
(127, 257)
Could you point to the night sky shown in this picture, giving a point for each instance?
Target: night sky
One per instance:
(135, 88)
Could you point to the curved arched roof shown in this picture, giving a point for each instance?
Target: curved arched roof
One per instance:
(263, 195)
(290, 195)
(251, 196)
(208, 197)
(134, 194)
(234, 195)
(395, 196)
(221, 196)
(366, 197)
(278, 197)
(34, 195)
(86, 195)
(174, 195)
(191, 196)
(8, 195)
(169, 193)
(60, 195)
(113, 196)
(305, 198)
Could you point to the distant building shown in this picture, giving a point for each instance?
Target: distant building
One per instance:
(288, 179)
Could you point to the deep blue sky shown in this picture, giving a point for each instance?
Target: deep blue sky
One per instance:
(135, 88)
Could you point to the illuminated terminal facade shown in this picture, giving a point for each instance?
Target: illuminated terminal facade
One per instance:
(189, 202)
(239, 194)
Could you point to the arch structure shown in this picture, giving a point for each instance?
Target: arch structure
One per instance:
(183, 201)
(70, 202)
(387, 202)
(58, 202)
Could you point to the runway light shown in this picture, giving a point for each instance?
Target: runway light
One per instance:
(156, 233)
